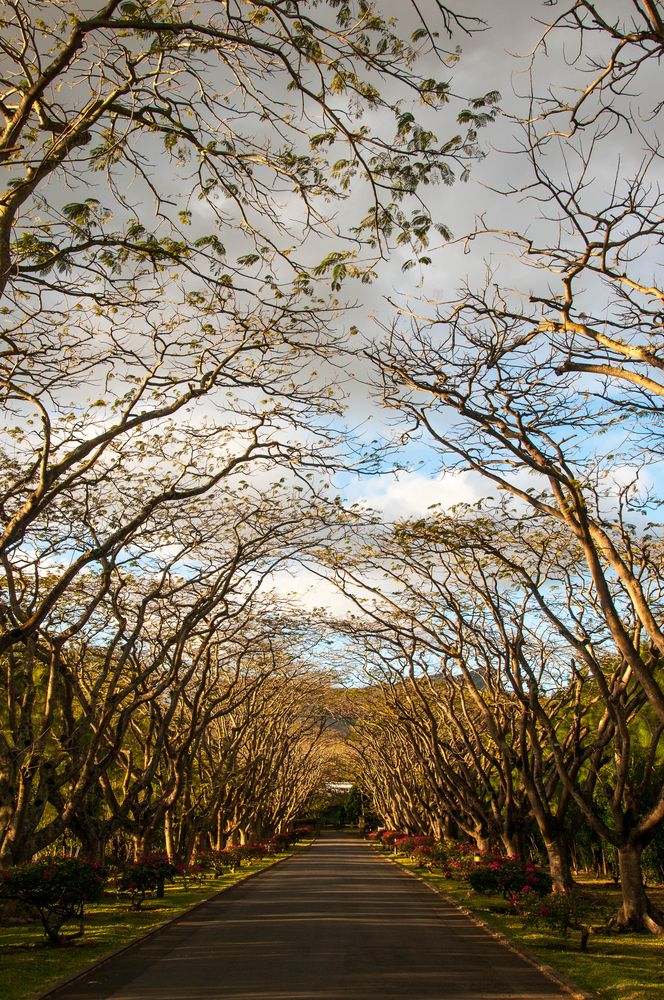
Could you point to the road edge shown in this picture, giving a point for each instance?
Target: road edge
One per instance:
(571, 987)
(146, 935)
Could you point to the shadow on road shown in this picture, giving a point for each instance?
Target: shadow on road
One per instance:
(334, 923)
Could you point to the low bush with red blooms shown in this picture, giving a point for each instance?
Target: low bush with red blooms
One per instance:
(508, 876)
(56, 889)
(573, 909)
(213, 862)
(304, 830)
(147, 874)
(234, 857)
(408, 843)
(454, 858)
(194, 872)
(423, 855)
(280, 842)
(387, 838)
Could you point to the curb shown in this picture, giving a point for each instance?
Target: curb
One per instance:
(575, 991)
(146, 935)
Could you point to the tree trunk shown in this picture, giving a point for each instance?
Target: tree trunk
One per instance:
(512, 845)
(560, 869)
(168, 836)
(637, 912)
(483, 843)
(142, 844)
(93, 848)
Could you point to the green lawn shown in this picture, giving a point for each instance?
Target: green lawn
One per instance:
(616, 966)
(28, 965)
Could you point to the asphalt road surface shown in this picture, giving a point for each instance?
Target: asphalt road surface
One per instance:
(332, 923)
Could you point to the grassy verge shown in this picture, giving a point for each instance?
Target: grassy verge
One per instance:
(29, 965)
(616, 967)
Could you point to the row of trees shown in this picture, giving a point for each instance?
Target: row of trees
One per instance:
(517, 645)
(172, 170)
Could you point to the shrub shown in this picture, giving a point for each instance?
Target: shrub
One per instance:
(215, 862)
(454, 858)
(387, 838)
(573, 909)
(57, 889)
(194, 872)
(148, 874)
(423, 855)
(508, 876)
(408, 843)
(281, 842)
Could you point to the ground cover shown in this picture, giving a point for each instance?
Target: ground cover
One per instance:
(30, 966)
(617, 966)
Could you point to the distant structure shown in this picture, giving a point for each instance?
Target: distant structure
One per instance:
(338, 786)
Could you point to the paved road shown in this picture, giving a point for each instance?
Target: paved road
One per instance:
(333, 923)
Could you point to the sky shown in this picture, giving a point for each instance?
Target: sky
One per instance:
(501, 58)
(498, 58)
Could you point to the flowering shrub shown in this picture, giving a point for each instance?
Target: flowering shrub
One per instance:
(387, 838)
(148, 874)
(509, 876)
(215, 862)
(423, 855)
(57, 888)
(281, 842)
(454, 858)
(194, 872)
(408, 844)
(562, 912)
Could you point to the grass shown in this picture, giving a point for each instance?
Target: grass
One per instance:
(617, 966)
(29, 965)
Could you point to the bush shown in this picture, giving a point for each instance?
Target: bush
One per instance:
(408, 843)
(387, 838)
(57, 889)
(281, 842)
(194, 872)
(508, 876)
(454, 858)
(215, 862)
(423, 855)
(562, 912)
(148, 874)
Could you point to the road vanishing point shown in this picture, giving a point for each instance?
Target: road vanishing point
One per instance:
(334, 922)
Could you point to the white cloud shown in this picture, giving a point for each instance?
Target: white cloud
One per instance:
(310, 592)
(411, 494)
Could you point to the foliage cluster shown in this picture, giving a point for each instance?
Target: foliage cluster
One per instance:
(57, 889)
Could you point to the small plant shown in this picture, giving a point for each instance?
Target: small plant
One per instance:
(57, 889)
(409, 843)
(422, 855)
(281, 842)
(454, 858)
(508, 876)
(148, 874)
(572, 909)
(387, 838)
(194, 872)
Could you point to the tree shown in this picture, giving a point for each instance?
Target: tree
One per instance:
(131, 665)
(187, 350)
(518, 385)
